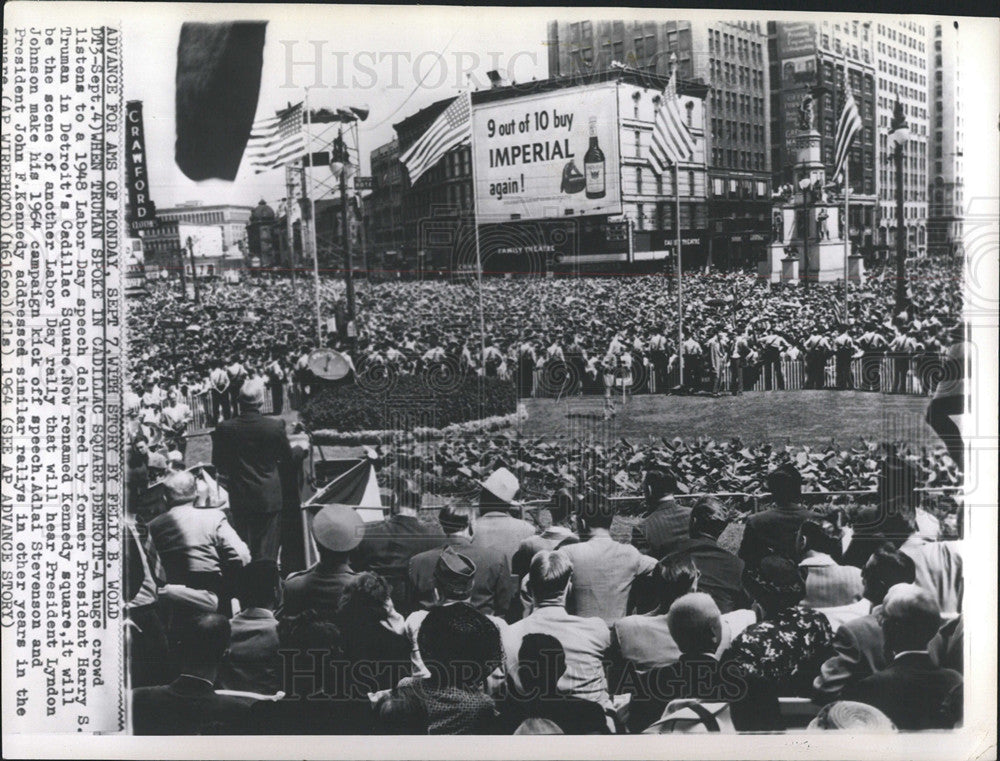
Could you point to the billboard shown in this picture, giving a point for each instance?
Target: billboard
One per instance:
(796, 38)
(548, 155)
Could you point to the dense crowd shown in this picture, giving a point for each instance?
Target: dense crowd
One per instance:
(486, 623)
(593, 327)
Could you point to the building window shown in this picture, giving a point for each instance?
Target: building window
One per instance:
(638, 180)
(690, 183)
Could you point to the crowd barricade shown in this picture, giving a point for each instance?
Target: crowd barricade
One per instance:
(917, 381)
(201, 409)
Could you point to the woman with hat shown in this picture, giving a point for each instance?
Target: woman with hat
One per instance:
(783, 653)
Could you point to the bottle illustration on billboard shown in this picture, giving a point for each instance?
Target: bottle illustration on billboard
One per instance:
(593, 165)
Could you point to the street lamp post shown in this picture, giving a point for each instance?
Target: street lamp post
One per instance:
(899, 134)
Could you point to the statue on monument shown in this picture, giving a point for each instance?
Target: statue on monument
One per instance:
(806, 112)
(778, 227)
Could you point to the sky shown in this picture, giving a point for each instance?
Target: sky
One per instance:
(398, 60)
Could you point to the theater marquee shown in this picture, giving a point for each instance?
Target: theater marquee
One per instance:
(552, 154)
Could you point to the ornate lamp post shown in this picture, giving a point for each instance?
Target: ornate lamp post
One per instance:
(899, 134)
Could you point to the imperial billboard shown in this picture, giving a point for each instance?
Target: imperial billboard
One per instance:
(554, 154)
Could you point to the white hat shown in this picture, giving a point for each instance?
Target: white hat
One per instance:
(252, 394)
(503, 485)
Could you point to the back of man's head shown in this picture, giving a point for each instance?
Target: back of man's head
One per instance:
(597, 512)
(677, 577)
(658, 484)
(548, 575)
(257, 584)
(541, 663)
(563, 505)
(695, 623)
(910, 618)
(709, 517)
(180, 488)
(202, 639)
(453, 520)
(785, 484)
(886, 567)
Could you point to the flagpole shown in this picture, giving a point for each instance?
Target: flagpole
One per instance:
(847, 226)
(312, 220)
(475, 225)
(680, 275)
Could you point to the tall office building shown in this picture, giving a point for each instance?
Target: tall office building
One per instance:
(944, 170)
(730, 57)
(901, 70)
(804, 55)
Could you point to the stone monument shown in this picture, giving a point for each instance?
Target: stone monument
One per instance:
(808, 229)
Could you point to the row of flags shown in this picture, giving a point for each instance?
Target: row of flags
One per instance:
(280, 140)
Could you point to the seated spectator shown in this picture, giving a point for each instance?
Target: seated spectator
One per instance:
(585, 640)
(783, 653)
(855, 717)
(189, 704)
(720, 572)
(774, 531)
(196, 545)
(562, 509)
(938, 569)
(253, 663)
(859, 646)
(603, 569)
(893, 520)
(666, 523)
(388, 546)
(644, 641)
(454, 582)
(541, 664)
(828, 584)
(312, 678)
(493, 588)
(695, 624)
(461, 648)
(338, 529)
(910, 690)
(496, 528)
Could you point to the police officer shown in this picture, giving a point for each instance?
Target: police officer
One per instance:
(873, 346)
(691, 351)
(843, 348)
(900, 348)
(772, 345)
(818, 348)
(658, 357)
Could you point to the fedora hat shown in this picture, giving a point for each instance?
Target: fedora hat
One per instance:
(503, 485)
(338, 528)
(252, 394)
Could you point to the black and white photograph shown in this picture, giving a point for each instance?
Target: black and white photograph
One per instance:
(556, 371)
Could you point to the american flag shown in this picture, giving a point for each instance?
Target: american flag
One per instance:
(672, 142)
(452, 128)
(277, 140)
(848, 126)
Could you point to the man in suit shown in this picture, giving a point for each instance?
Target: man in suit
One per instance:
(251, 452)
(189, 704)
(774, 531)
(912, 691)
(561, 509)
(720, 572)
(858, 643)
(603, 569)
(666, 524)
(338, 529)
(696, 626)
(390, 545)
(492, 587)
(585, 640)
(496, 527)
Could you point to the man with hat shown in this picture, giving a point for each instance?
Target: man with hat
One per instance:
(196, 545)
(149, 497)
(493, 586)
(389, 545)
(251, 452)
(338, 529)
(454, 579)
(775, 530)
(496, 527)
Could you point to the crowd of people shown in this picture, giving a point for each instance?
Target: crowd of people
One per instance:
(736, 327)
(483, 622)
